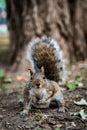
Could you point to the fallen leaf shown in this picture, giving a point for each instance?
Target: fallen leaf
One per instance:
(74, 113)
(73, 124)
(83, 114)
(7, 123)
(81, 102)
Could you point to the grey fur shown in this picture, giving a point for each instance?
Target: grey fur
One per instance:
(49, 42)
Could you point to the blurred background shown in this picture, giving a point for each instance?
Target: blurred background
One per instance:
(22, 21)
(4, 35)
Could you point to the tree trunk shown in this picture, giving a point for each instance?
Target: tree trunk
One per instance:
(63, 20)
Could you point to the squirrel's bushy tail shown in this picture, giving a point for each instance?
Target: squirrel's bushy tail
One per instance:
(46, 52)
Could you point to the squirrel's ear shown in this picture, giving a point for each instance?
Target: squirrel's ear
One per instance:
(42, 70)
(31, 72)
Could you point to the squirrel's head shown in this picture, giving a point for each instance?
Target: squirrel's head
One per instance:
(37, 78)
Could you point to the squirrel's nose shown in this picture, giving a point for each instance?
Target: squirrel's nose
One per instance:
(38, 84)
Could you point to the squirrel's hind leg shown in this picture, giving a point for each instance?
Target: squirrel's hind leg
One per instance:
(58, 97)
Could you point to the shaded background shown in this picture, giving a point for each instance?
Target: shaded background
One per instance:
(63, 20)
(20, 22)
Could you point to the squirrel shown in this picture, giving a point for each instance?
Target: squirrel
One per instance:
(48, 69)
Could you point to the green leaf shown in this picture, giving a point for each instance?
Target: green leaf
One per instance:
(57, 129)
(2, 74)
(81, 102)
(71, 86)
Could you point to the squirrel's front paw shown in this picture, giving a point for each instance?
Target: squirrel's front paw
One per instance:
(61, 110)
(42, 101)
(24, 112)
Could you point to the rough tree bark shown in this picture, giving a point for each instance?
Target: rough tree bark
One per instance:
(64, 20)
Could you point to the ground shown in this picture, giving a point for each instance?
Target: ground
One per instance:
(43, 119)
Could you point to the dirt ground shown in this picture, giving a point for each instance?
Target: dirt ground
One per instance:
(42, 119)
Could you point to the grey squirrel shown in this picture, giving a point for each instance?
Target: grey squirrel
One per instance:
(48, 69)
